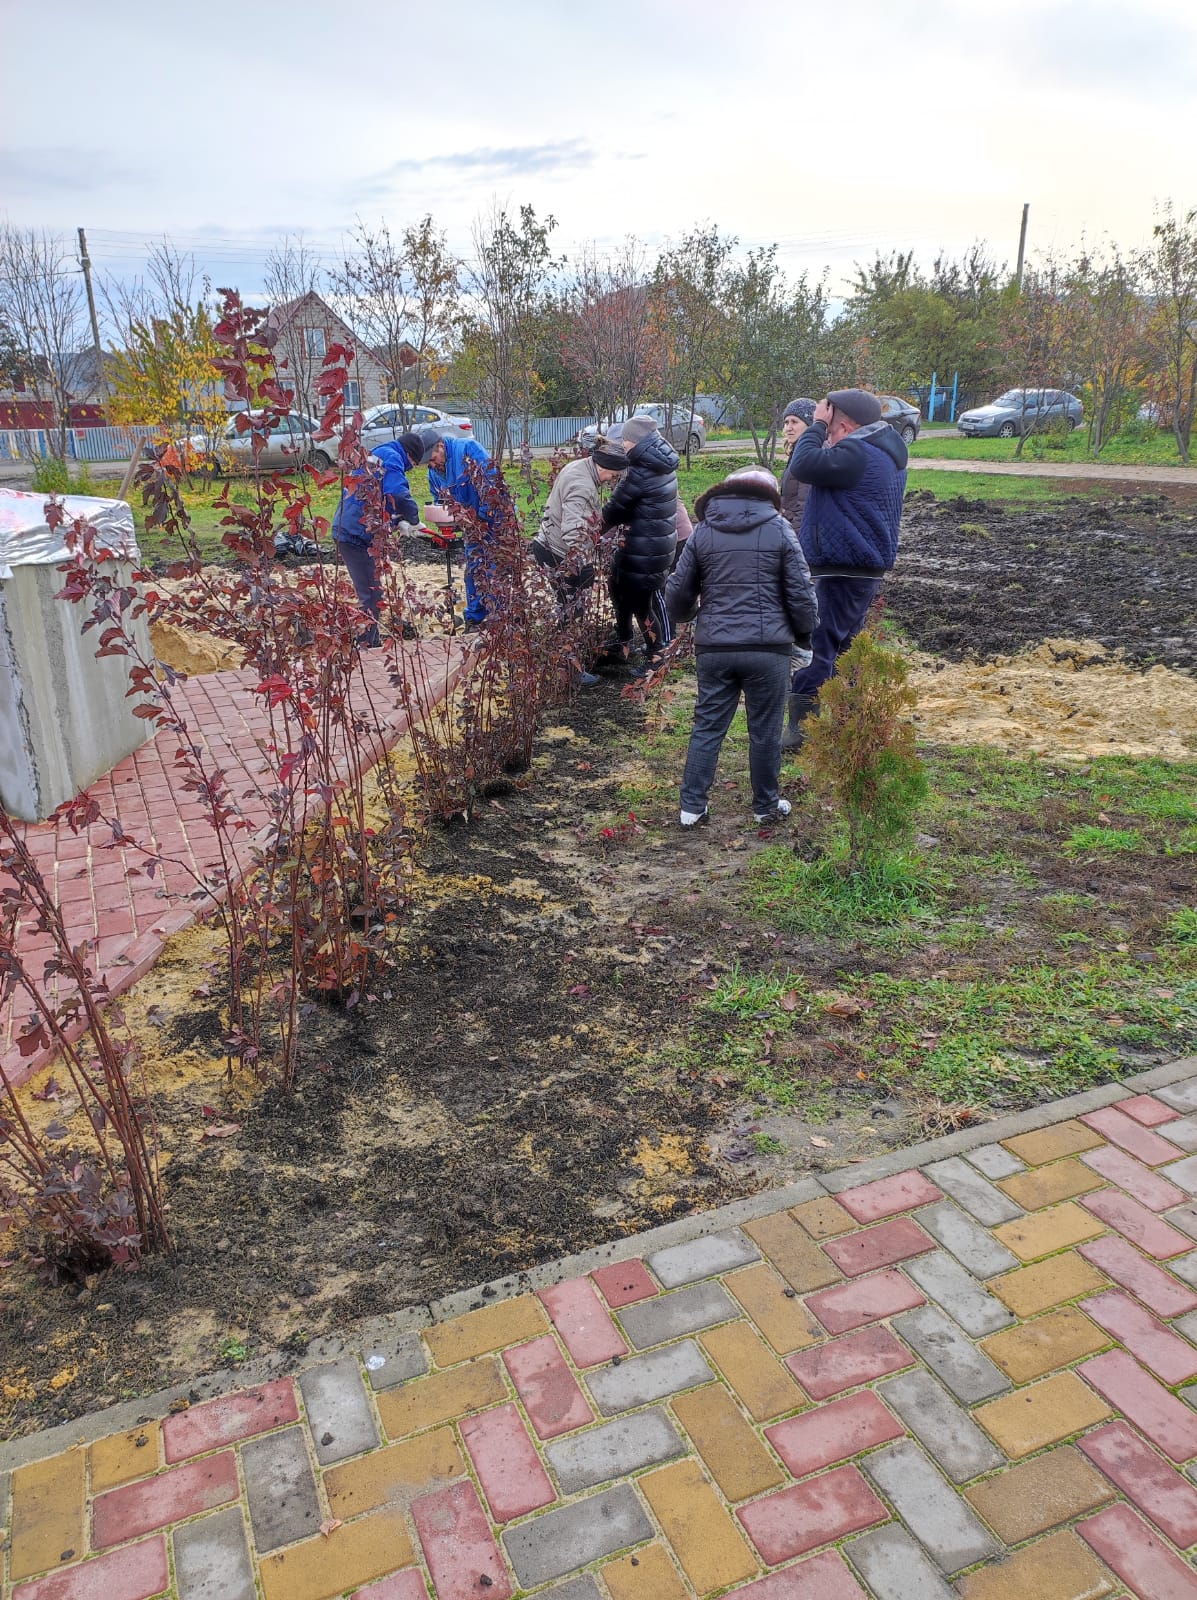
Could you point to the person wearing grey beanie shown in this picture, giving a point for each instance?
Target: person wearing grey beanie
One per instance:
(636, 428)
(743, 576)
(795, 420)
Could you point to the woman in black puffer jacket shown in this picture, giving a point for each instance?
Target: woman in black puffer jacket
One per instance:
(644, 504)
(745, 569)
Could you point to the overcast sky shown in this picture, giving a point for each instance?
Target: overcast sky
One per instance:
(835, 129)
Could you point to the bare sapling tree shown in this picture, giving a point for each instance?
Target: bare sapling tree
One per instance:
(770, 349)
(687, 304)
(434, 286)
(370, 287)
(1040, 338)
(1170, 274)
(507, 285)
(42, 302)
(294, 272)
(607, 335)
(1111, 321)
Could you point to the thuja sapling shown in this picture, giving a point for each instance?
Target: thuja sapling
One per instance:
(859, 751)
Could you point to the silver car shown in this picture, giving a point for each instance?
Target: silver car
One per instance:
(1021, 411)
(381, 423)
(684, 424)
(289, 444)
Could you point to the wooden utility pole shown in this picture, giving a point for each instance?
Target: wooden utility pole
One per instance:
(85, 263)
(1022, 243)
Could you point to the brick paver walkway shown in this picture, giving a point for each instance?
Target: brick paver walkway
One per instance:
(976, 1377)
(103, 892)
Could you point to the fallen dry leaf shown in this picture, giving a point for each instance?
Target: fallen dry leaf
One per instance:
(330, 1525)
(845, 1006)
(821, 1144)
(221, 1130)
(789, 1001)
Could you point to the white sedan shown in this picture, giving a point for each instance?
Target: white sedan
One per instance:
(289, 444)
(381, 423)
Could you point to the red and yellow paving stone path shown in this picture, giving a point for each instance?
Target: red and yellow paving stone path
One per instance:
(105, 894)
(974, 1378)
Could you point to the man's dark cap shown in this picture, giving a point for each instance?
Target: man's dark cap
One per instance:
(858, 404)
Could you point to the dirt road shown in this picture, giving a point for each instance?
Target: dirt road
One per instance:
(1061, 469)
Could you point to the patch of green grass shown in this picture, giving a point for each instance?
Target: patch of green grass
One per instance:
(982, 485)
(742, 1020)
(821, 897)
(978, 777)
(752, 996)
(1034, 1032)
(1147, 788)
(1133, 447)
(1086, 839)
(988, 777)
(766, 1145)
(1028, 993)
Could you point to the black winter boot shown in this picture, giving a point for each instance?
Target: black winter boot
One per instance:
(801, 707)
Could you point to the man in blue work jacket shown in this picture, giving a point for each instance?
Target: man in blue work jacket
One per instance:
(448, 479)
(389, 463)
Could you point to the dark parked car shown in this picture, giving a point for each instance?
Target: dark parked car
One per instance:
(1021, 411)
(903, 418)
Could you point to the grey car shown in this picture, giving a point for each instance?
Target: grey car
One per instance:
(903, 418)
(1021, 411)
(289, 444)
(381, 423)
(684, 424)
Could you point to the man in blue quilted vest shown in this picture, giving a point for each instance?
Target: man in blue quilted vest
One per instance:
(855, 465)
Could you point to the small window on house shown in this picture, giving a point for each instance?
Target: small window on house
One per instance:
(314, 342)
(353, 395)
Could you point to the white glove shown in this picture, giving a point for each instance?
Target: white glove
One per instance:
(800, 659)
(405, 528)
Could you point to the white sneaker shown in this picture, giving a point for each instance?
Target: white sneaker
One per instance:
(780, 811)
(691, 819)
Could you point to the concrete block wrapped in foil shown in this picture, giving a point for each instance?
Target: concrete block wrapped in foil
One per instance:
(66, 716)
(28, 540)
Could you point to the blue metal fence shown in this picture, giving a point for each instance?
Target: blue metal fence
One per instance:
(545, 431)
(83, 444)
(117, 444)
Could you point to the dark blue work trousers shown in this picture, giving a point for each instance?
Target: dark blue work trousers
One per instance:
(843, 607)
(723, 676)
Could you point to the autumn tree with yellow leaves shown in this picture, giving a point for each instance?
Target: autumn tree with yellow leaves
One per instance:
(160, 368)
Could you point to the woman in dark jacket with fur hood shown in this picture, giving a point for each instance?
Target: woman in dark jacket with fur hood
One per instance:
(744, 573)
(644, 504)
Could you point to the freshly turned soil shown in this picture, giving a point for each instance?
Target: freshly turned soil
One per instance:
(529, 1079)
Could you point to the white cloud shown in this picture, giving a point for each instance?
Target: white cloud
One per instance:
(834, 131)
